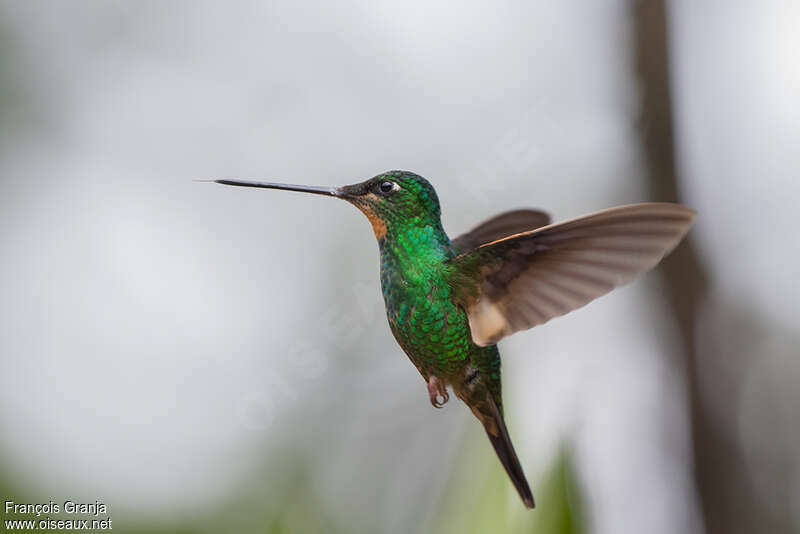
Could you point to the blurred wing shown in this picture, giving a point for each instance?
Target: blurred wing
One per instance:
(499, 226)
(524, 280)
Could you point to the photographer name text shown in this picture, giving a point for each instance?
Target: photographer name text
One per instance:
(44, 511)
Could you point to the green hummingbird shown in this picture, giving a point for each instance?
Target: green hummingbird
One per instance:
(449, 301)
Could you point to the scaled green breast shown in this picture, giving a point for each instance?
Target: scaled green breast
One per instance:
(427, 324)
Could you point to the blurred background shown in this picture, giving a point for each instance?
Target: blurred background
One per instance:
(209, 359)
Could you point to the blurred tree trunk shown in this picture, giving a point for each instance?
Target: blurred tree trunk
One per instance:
(728, 501)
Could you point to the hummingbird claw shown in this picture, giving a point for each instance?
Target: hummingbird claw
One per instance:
(437, 389)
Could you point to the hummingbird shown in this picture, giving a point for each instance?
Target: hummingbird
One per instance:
(449, 301)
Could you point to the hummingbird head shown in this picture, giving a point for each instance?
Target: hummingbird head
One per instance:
(389, 200)
(394, 199)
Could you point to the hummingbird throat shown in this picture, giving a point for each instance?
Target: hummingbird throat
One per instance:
(378, 224)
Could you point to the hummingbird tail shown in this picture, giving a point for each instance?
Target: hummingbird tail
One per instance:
(496, 429)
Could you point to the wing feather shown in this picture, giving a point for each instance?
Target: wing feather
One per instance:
(499, 226)
(525, 279)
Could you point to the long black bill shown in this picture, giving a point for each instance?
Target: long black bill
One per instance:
(328, 191)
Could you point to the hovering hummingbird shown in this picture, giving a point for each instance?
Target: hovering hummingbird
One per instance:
(449, 301)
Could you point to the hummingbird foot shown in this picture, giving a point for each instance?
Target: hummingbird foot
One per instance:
(436, 389)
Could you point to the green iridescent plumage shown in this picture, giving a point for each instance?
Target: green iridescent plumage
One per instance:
(449, 302)
(416, 282)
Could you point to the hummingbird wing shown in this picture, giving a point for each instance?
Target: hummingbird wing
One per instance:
(505, 224)
(525, 279)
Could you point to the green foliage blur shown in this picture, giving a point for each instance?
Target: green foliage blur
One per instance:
(491, 507)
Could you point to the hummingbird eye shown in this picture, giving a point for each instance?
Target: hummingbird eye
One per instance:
(387, 187)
